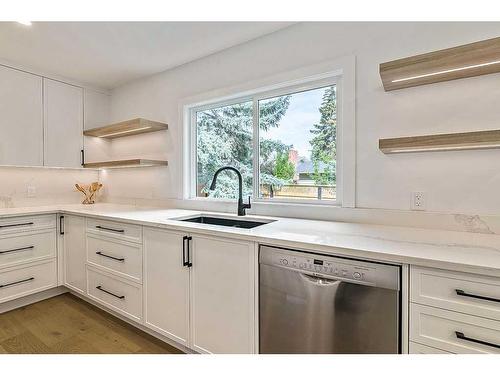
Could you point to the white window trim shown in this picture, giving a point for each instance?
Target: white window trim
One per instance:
(340, 72)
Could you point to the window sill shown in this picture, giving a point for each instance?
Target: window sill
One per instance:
(270, 202)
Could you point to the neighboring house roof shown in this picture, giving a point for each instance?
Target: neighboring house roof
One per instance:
(307, 166)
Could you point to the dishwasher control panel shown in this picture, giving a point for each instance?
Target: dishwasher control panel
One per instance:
(332, 267)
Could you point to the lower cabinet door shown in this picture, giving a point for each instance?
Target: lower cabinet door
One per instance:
(166, 284)
(222, 296)
(27, 279)
(120, 295)
(452, 331)
(75, 276)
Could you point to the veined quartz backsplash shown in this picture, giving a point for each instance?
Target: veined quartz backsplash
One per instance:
(38, 186)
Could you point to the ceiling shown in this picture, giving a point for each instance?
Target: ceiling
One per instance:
(108, 54)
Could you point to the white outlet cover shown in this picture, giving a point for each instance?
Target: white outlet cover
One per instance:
(418, 200)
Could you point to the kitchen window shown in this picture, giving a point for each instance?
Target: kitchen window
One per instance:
(285, 142)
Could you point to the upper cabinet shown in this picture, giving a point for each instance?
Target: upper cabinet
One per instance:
(21, 120)
(63, 124)
(42, 121)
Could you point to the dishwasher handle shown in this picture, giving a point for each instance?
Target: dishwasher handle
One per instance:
(319, 280)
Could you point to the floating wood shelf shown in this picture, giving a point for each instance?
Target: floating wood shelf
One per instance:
(441, 142)
(126, 128)
(127, 163)
(464, 61)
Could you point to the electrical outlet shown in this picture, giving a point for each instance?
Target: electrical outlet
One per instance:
(31, 191)
(418, 200)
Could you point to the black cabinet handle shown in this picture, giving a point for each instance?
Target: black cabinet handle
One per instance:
(17, 282)
(109, 256)
(460, 292)
(19, 249)
(108, 292)
(461, 336)
(61, 225)
(189, 263)
(186, 251)
(184, 260)
(15, 225)
(110, 229)
(82, 153)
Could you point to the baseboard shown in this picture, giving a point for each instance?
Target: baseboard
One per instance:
(32, 298)
(134, 323)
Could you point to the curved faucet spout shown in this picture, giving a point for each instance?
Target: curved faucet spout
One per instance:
(241, 206)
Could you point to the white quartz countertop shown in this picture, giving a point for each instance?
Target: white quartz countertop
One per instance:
(475, 252)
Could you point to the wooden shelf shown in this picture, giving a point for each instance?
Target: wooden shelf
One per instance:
(442, 142)
(127, 163)
(464, 61)
(126, 128)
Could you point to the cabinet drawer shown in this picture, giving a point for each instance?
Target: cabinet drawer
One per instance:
(416, 348)
(26, 223)
(27, 247)
(453, 332)
(21, 281)
(118, 294)
(124, 258)
(462, 292)
(127, 232)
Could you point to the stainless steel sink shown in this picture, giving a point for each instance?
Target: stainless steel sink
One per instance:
(226, 222)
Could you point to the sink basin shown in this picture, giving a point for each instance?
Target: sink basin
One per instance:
(225, 222)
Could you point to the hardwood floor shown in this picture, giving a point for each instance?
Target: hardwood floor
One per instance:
(66, 324)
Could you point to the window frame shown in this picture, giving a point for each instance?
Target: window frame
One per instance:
(343, 76)
(290, 90)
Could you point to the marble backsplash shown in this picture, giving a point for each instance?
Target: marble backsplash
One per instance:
(57, 186)
(39, 186)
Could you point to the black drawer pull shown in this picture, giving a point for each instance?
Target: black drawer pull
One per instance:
(461, 336)
(110, 229)
(109, 256)
(61, 225)
(20, 249)
(110, 293)
(17, 282)
(460, 292)
(186, 251)
(15, 225)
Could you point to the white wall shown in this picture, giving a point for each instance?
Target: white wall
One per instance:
(53, 185)
(466, 181)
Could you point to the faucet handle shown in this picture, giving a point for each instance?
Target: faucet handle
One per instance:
(248, 205)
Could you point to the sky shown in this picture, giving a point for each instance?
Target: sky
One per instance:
(295, 126)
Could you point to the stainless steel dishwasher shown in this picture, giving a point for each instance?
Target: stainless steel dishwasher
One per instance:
(311, 303)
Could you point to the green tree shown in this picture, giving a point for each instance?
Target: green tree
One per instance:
(284, 169)
(324, 142)
(224, 137)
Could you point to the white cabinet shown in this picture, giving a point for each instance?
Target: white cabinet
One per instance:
(166, 284)
(21, 126)
(208, 306)
(74, 253)
(63, 124)
(452, 331)
(222, 295)
(454, 311)
(120, 295)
